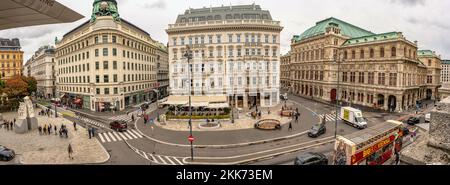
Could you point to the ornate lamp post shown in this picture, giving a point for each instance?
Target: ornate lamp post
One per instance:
(337, 59)
(188, 56)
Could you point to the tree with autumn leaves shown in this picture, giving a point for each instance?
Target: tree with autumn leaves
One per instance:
(17, 88)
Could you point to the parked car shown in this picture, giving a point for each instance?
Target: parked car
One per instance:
(405, 131)
(118, 126)
(6, 154)
(311, 158)
(317, 130)
(427, 118)
(413, 121)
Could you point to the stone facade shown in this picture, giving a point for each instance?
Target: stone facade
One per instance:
(163, 70)
(11, 58)
(440, 126)
(236, 52)
(381, 71)
(41, 66)
(285, 71)
(106, 65)
(434, 68)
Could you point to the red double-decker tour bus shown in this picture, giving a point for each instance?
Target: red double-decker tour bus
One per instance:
(371, 146)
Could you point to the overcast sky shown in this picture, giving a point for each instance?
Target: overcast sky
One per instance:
(426, 21)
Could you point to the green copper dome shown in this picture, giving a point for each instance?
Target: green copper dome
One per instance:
(347, 29)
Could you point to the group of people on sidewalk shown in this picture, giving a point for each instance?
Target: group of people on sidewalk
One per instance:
(8, 125)
(45, 112)
(295, 116)
(50, 129)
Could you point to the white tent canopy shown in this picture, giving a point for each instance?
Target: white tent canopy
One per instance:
(21, 13)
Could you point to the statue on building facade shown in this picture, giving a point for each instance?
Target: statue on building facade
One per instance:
(105, 8)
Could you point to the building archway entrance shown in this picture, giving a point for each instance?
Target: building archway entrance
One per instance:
(333, 95)
(392, 103)
(380, 102)
(429, 94)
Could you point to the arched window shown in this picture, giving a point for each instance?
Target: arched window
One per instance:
(353, 54)
(372, 53)
(393, 52)
(361, 53)
(345, 54)
(381, 52)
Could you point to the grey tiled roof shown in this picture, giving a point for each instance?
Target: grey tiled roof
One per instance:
(225, 12)
(9, 42)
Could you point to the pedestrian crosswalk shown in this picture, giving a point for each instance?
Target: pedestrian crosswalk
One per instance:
(92, 122)
(329, 117)
(124, 117)
(161, 159)
(108, 137)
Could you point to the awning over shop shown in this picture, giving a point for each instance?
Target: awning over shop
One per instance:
(218, 105)
(20, 13)
(196, 101)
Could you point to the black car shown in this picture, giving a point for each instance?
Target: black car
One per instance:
(413, 121)
(6, 154)
(317, 130)
(311, 158)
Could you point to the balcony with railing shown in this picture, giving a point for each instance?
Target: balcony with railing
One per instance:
(225, 22)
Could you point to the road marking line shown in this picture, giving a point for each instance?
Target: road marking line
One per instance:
(168, 158)
(179, 163)
(152, 157)
(129, 137)
(106, 137)
(112, 137)
(124, 138)
(131, 133)
(115, 133)
(101, 138)
(163, 162)
(145, 155)
(139, 135)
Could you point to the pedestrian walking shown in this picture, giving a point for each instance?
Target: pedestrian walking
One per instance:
(49, 130)
(90, 132)
(45, 129)
(132, 117)
(397, 158)
(75, 126)
(56, 133)
(11, 125)
(290, 126)
(7, 126)
(296, 117)
(70, 151)
(40, 130)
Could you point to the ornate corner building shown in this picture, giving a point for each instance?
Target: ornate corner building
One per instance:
(107, 63)
(384, 71)
(11, 58)
(236, 53)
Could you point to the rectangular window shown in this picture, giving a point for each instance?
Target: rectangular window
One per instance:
(114, 39)
(182, 41)
(104, 38)
(114, 50)
(266, 38)
(96, 53)
(230, 38)
(393, 79)
(174, 41)
(105, 78)
(96, 40)
(105, 64)
(116, 90)
(115, 78)
(97, 65)
(98, 91)
(97, 78)
(238, 38)
(114, 64)
(106, 90)
(371, 78)
(219, 39)
(105, 52)
(274, 37)
(381, 79)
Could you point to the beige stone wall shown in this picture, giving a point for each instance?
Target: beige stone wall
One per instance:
(126, 58)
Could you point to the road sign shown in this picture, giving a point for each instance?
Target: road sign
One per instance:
(191, 138)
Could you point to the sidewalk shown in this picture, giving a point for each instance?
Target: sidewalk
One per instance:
(32, 148)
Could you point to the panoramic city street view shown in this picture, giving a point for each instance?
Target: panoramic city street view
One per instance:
(156, 82)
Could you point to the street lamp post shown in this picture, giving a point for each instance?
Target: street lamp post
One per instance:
(56, 111)
(337, 60)
(188, 56)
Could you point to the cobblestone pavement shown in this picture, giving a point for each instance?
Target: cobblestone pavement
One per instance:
(32, 148)
(245, 121)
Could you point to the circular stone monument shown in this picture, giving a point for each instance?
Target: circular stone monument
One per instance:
(268, 124)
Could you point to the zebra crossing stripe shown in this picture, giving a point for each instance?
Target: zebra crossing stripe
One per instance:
(139, 135)
(128, 136)
(112, 137)
(145, 155)
(124, 138)
(163, 162)
(152, 157)
(101, 138)
(106, 137)
(178, 161)
(170, 161)
(119, 138)
(131, 133)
